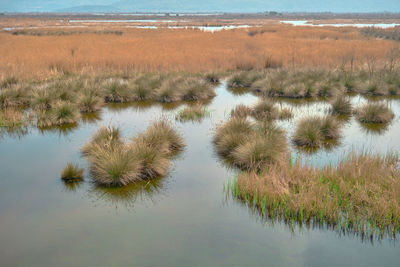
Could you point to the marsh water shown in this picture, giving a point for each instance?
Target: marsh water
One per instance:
(184, 219)
(357, 25)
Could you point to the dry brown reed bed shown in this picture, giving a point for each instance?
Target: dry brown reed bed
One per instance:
(190, 50)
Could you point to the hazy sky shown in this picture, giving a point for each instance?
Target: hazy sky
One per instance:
(202, 6)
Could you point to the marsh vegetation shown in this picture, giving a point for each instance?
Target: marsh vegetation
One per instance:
(115, 162)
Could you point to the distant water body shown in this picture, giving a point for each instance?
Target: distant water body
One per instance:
(358, 25)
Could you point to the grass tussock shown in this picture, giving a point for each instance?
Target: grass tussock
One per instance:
(244, 79)
(374, 113)
(106, 137)
(265, 110)
(13, 118)
(250, 145)
(63, 113)
(52, 98)
(241, 111)
(114, 162)
(358, 195)
(89, 102)
(341, 105)
(72, 173)
(316, 131)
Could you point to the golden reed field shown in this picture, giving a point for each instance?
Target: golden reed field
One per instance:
(189, 50)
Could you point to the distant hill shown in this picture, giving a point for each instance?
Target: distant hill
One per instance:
(199, 6)
(90, 9)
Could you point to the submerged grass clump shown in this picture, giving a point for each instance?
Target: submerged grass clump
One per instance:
(114, 162)
(360, 195)
(374, 113)
(72, 173)
(316, 131)
(192, 113)
(341, 105)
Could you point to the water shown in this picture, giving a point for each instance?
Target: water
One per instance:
(181, 220)
(358, 25)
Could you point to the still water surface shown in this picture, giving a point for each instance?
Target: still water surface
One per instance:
(181, 220)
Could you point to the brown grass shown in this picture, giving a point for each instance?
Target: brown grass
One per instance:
(189, 50)
(359, 195)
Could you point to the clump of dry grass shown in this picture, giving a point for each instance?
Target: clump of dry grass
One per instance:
(89, 101)
(316, 131)
(105, 136)
(241, 111)
(359, 195)
(11, 117)
(196, 89)
(265, 109)
(61, 114)
(116, 91)
(244, 79)
(266, 148)
(168, 91)
(41, 99)
(114, 162)
(212, 77)
(15, 96)
(250, 145)
(153, 163)
(374, 113)
(72, 173)
(163, 138)
(114, 165)
(8, 82)
(229, 135)
(341, 105)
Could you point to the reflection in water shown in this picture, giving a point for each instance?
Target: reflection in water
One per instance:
(63, 130)
(327, 146)
(238, 91)
(126, 196)
(271, 218)
(72, 186)
(374, 128)
(89, 118)
(16, 132)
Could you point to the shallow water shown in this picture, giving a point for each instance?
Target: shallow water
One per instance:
(358, 25)
(180, 220)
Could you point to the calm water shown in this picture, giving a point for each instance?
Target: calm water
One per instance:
(358, 25)
(181, 220)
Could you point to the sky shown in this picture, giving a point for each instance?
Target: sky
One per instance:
(199, 6)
